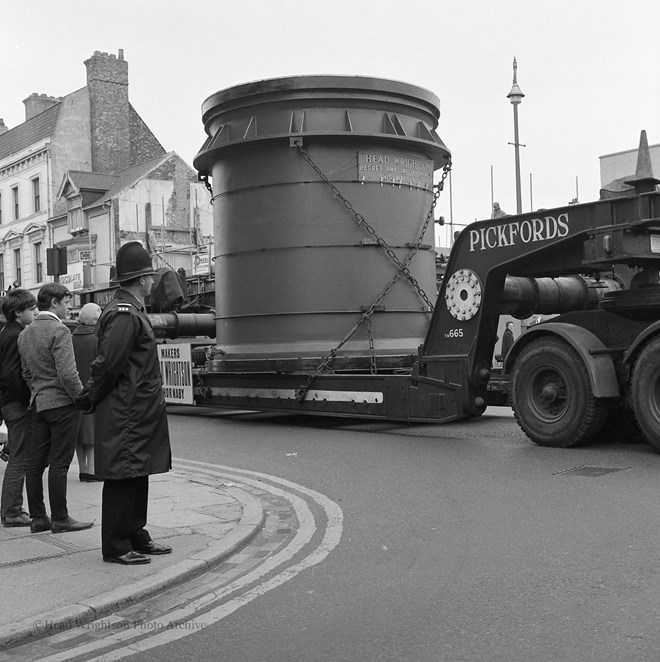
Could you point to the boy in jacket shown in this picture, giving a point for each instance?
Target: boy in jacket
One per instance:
(18, 307)
(49, 369)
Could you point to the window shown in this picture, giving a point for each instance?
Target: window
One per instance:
(38, 263)
(2, 271)
(14, 195)
(77, 222)
(17, 265)
(36, 197)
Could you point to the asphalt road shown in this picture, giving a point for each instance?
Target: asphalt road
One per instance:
(461, 542)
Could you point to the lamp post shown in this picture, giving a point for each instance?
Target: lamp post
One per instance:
(516, 96)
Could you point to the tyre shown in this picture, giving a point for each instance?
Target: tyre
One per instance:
(552, 396)
(646, 391)
(621, 427)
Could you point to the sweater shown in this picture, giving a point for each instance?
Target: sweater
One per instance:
(48, 362)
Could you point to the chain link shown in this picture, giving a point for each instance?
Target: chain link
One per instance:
(205, 180)
(372, 349)
(301, 392)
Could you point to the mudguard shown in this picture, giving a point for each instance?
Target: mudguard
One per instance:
(600, 367)
(640, 341)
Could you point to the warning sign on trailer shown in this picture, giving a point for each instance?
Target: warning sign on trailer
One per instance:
(176, 371)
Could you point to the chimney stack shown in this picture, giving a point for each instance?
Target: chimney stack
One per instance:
(107, 83)
(37, 103)
(3, 127)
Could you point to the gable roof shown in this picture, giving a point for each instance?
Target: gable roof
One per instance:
(86, 181)
(128, 177)
(92, 181)
(35, 129)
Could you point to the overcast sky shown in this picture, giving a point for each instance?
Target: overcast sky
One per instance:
(589, 69)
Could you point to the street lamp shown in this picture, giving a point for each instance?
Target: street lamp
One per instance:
(516, 96)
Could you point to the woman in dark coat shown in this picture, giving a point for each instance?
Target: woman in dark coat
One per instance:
(84, 347)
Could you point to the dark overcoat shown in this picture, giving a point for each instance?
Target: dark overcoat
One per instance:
(507, 342)
(131, 437)
(84, 348)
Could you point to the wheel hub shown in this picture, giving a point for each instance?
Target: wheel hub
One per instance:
(549, 393)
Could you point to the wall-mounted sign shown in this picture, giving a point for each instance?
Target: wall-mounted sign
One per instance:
(74, 278)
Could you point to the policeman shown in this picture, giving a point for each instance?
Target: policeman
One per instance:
(131, 433)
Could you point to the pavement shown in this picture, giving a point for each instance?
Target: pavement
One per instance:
(61, 579)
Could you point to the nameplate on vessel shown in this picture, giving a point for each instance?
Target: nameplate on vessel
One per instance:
(394, 169)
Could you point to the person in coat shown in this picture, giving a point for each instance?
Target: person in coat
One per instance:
(49, 369)
(84, 348)
(131, 437)
(507, 339)
(18, 307)
(497, 211)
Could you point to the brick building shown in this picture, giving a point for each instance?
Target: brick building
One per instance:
(84, 172)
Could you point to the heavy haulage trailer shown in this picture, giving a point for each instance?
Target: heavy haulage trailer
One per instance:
(324, 195)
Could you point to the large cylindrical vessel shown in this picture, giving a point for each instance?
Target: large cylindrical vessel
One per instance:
(294, 268)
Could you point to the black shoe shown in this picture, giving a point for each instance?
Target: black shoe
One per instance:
(130, 558)
(40, 524)
(154, 548)
(69, 524)
(18, 520)
(89, 478)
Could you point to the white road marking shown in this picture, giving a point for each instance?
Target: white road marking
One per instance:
(166, 633)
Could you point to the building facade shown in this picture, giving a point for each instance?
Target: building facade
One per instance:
(85, 173)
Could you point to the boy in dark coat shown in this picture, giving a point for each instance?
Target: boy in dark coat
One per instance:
(131, 437)
(18, 307)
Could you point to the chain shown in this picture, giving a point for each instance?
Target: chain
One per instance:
(327, 360)
(402, 270)
(205, 180)
(362, 222)
(372, 349)
(301, 392)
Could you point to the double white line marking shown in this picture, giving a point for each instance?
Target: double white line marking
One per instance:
(165, 633)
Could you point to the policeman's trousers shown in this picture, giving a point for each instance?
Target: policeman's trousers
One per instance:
(124, 515)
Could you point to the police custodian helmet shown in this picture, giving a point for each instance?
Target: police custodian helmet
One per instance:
(133, 261)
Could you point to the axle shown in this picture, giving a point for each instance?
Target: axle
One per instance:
(523, 297)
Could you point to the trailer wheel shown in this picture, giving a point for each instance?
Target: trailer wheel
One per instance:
(553, 400)
(646, 391)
